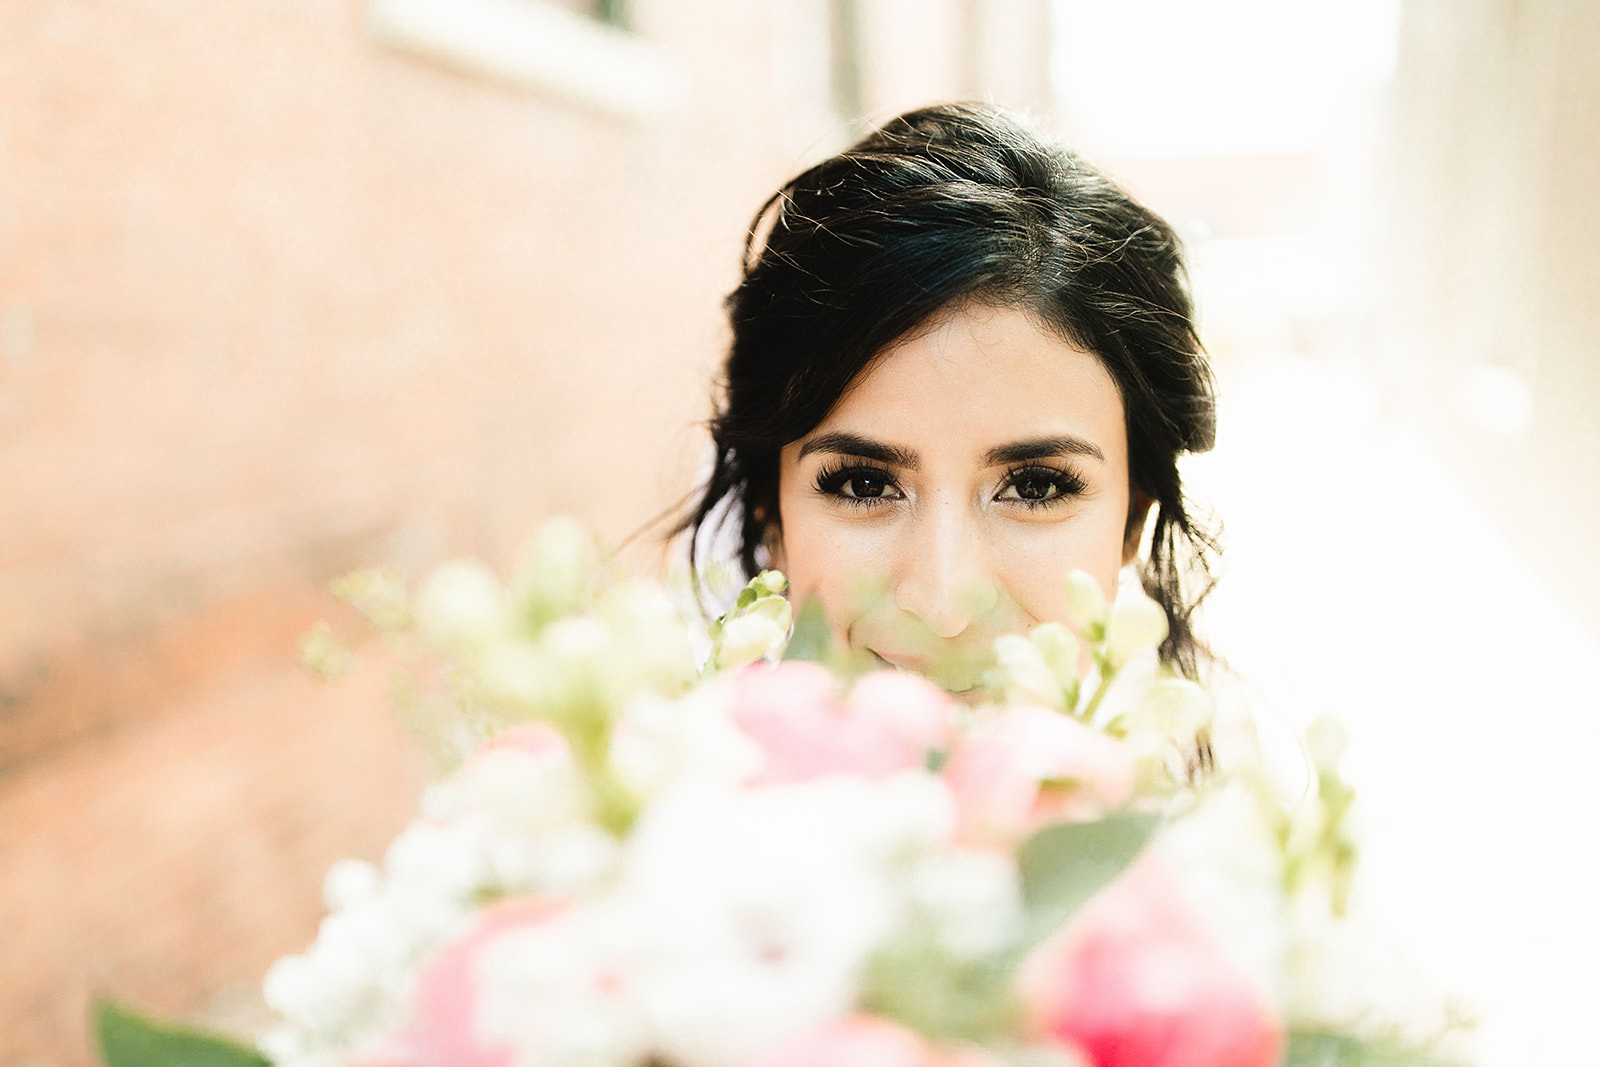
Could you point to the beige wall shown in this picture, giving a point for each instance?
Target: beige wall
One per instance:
(277, 301)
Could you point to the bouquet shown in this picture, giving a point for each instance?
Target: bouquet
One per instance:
(768, 855)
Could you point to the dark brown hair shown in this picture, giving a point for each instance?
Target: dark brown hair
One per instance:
(943, 204)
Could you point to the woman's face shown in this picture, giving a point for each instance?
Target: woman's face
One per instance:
(971, 468)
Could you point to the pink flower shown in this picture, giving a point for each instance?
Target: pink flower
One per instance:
(888, 724)
(1135, 980)
(1029, 766)
(868, 1041)
(443, 1027)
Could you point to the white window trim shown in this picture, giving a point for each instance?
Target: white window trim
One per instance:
(534, 45)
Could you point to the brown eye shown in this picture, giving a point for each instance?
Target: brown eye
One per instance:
(858, 485)
(1040, 486)
(864, 486)
(1029, 488)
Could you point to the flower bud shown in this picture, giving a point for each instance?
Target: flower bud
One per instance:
(1137, 623)
(769, 583)
(1060, 650)
(754, 634)
(1086, 606)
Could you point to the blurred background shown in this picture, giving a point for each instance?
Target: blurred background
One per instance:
(289, 287)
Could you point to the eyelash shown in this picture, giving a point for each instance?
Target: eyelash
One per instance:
(832, 479)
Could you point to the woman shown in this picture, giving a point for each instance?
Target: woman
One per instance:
(965, 363)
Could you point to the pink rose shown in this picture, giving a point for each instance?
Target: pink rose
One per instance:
(1029, 766)
(1135, 980)
(868, 1041)
(443, 1028)
(888, 723)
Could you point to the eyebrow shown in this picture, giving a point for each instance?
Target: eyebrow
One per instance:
(851, 444)
(1043, 448)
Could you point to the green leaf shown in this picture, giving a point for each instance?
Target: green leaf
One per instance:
(1065, 864)
(812, 638)
(917, 983)
(130, 1040)
(1317, 1049)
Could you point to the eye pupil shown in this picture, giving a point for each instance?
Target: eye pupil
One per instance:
(866, 485)
(1033, 488)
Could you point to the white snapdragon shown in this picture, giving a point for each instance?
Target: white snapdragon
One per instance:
(1025, 676)
(758, 632)
(1137, 624)
(1060, 651)
(1160, 728)
(1086, 606)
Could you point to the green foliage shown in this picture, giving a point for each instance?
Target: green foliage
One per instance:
(130, 1040)
(1065, 864)
(919, 984)
(812, 640)
(1316, 1049)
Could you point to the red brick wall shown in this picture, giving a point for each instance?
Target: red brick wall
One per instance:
(275, 302)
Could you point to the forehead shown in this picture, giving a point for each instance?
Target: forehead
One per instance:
(976, 376)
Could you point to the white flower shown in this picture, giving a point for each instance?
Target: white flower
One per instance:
(461, 603)
(1352, 972)
(518, 673)
(434, 873)
(1137, 623)
(1025, 675)
(1060, 650)
(755, 911)
(1228, 867)
(525, 793)
(348, 883)
(556, 570)
(572, 860)
(585, 658)
(560, 992)
(972, 898)
(658, 742)
(1086, 606)
(1171, 711)
(755, 633)
(340, 986)
(653, 631)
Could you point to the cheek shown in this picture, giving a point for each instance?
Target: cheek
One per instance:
(1033, 566)
(837, 570)
(820, 557)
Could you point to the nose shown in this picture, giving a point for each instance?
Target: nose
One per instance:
(944, 577)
